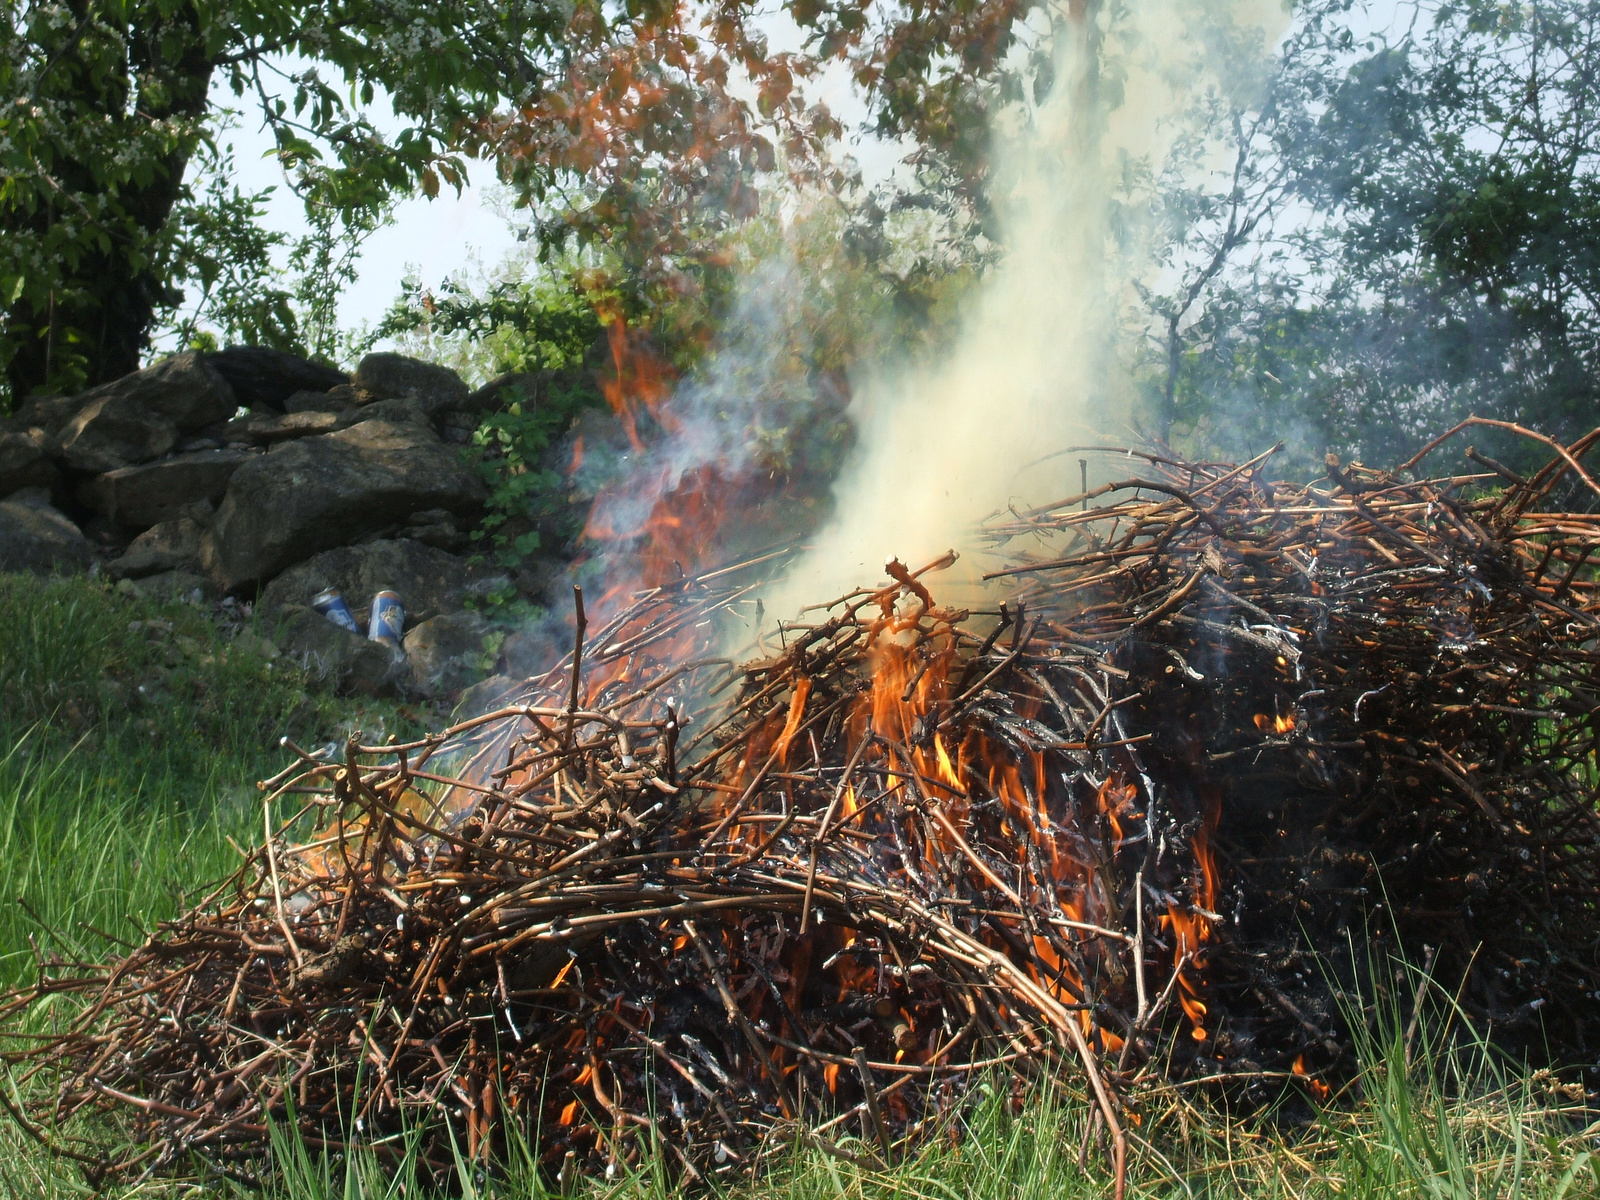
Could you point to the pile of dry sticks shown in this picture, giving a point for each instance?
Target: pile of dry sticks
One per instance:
(665, 899)
(1379, 694)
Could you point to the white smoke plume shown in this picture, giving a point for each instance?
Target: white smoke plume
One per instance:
(943, 443)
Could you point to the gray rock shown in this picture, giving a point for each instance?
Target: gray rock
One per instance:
(452, 430)
(309, 495)
(436, 527)
(447, 652)
(113, 431)
(265, 378)
(139, 417)
(35, 537)
(347, 661)
(49, 413)
(33, 497)
(204, 440)
(403, 411)
(344, 397)
(527, 387)
(338, 399)
(25, 460)
(265, 428)
(432, 516)
(397, 377)
(186, 389)
(141, 496)
(441, 537)
(166, 546)
(169, 585)
(428, 580)
(494, 692)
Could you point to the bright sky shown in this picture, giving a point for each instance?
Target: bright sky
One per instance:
(432, 238)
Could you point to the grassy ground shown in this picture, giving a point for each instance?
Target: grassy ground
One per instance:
(131, 733)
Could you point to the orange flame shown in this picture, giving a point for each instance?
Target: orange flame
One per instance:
(1319, 1090)
(1271, 724)
(1191, 924)
(791, 726)
(684, 511)
(641, 381)
(911, 652)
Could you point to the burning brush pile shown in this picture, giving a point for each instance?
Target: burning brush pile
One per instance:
(1129, 825)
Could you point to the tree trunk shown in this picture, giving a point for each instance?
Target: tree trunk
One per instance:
(102, 314)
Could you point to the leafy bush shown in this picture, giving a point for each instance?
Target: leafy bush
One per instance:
(510, 320)
(513, 445)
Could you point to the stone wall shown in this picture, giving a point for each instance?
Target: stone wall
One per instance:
(255, 474)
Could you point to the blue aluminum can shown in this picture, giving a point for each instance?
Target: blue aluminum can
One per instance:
(330, 603)
(388, 621)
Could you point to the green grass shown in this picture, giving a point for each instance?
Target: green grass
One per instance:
(1492, 1135)
(131, 734)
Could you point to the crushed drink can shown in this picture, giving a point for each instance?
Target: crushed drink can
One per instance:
(388, 620)
(330, 603)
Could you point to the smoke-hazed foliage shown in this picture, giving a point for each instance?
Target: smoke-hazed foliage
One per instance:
(935, 72)
(744, 368)
(1436, 245)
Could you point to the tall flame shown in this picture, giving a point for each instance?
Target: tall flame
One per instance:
(705, 472)
(639, 382)
(664, 518)
(911, 649)
(1191, 924)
